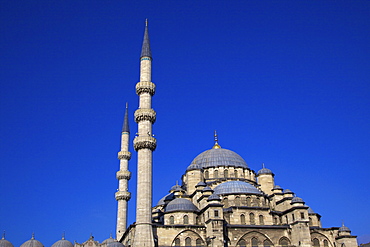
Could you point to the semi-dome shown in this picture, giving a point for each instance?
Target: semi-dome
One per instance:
(165, 199)
(32, 243)
(5, 243)
(216, 157)
(181, 204)
(111, 242)
(236, 187)
(62, 243)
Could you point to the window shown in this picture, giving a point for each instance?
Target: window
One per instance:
(309, 218)
(206, 174)
(177, 242)
(284, 241)
(226, 173)
(236, 173)
(198, 242)
(242, 219)
(254, 242)
(188, 241)
(216, 213)
(216, 174)
(242, 243)
(251, 219)
(186, 219)
(315, 242)
(261, 220)
(257, 202)
(286, 219)
(302, 215)
(326, 243)
(275, 221)
(172, 220)
(226, 202)
(292, 217)
(248, 201)
(237, 201)
(267, 243)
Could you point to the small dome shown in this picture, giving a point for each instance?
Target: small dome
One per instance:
(176, 188)
(265, 171)
(4, 242)
(62, 243)
(166, 198)
(201, 183)
(181, 204)
(109, 240)
(236, 187)
(343, 228)
(207, 188)
(214, 197)
(217, 157)
(32, 243)
(288, 191)
(297, 199)
(310, 211)
(115, 244)
(277, 187)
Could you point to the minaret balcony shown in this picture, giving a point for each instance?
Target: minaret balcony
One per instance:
(123, 175)
(145, 87)
(141, 142)
(124, 155)
(145, 115)
(123, 195)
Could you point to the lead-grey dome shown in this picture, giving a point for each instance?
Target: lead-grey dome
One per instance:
(32, 243)
(5, 243)
(343, 228)
(62, 243)
(165, 199)
(181, 204)
(111, 242)
(264, 171)
(236, 187)
(217, 157)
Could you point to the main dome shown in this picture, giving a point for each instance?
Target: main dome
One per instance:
(216, 157)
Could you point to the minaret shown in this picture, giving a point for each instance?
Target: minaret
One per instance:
(123, 175)
(144, 144)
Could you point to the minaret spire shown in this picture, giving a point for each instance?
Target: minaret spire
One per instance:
(144, 144)
(216, 146)
(123, 175)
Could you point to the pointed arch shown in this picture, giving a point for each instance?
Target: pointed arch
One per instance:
(215, 174)
(241, 243)
(186, 219)
(190, 235)
(172, 220)
(226, 173)
(284, 241)
(206, 175)
(251, 219)
(237, 201)
(261, 220)
(315, 242)
(254, 242)
(267, 243)
(242, 219)
(188, 242)
(177, 242)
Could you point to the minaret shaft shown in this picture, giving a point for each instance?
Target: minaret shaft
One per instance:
(144, 144)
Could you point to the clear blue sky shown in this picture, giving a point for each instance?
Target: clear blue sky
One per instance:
(285, 83)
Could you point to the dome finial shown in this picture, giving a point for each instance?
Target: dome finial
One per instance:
(146, 22)
(3, 234)
(63, 235)
(216, 146)
(33, 236)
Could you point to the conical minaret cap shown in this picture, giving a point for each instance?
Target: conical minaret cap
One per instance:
(145, 50)
(125, 127)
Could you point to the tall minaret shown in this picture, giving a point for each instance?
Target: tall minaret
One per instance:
(123, 175)
(144, 144)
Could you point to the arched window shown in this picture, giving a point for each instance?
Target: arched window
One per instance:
(177, 242)
(267, 243)
(242, 243)
(251, 219)
(188, 241)
(326, 243)
(206, 174)
(186, 219)
(283, 241)
(261, 220)
(248, 201)
(226, 173)
(237, 201)
(315, 242)
(242, 219)
(197, 220)
(254, 242)
(172, 220)
(236, 173)
(216, 174)
(226, 202)
(258, 202)
(198, 242)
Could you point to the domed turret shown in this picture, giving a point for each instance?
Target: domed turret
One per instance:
(32, 242)
(265, 178)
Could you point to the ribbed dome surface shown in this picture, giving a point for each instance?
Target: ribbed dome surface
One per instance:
(5, 243)
(32, 243)
(236, 187)
(181, 204)
(217, 157)
(62, 243)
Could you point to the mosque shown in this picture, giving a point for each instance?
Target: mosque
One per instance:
(221, 202)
